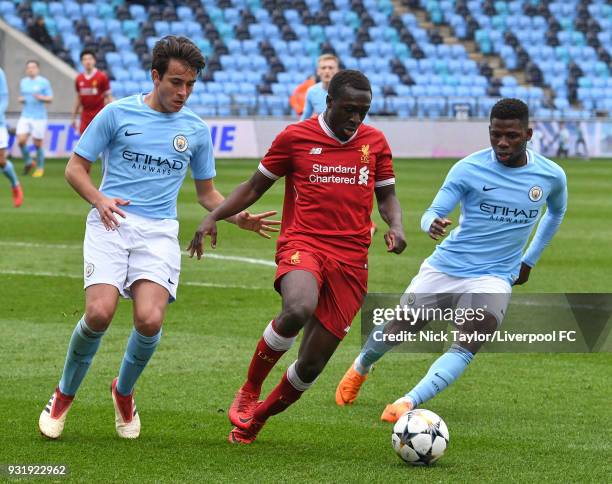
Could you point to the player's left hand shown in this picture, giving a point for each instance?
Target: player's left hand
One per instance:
(258, 222)
(395, 240)
(523, 275)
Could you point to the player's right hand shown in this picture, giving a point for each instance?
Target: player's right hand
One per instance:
(438, 228)
(107, 208)
(207, 227)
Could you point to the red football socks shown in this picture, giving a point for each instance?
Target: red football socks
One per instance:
(265, 358)
(284, 395)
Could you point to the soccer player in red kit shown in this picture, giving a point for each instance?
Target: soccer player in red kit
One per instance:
(333, 166)
(93, 91)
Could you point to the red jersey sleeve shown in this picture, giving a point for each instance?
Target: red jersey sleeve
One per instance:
(384, 166)
(277, 162)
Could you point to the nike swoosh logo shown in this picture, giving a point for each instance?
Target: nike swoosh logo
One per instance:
(488, 189)
(127, 133)
(170, 281)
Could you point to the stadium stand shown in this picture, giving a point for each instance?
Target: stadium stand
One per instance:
(425, 58)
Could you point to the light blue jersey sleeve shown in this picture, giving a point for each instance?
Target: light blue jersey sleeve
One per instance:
(308, 110)
(4, 97)
(203, 161)
(98, 135)
(447, 197)
(549, 225)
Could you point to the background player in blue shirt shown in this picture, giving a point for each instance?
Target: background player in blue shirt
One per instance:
(5, 165)
(34, 92)
(502, 191)
(131, 238)
(316, 96)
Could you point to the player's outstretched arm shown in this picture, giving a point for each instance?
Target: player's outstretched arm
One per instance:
(241, 198)
(77, 175)
(391, 212)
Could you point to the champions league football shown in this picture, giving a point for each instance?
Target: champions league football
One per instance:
(420, 437)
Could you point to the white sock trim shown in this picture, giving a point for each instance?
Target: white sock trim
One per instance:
(296, 381)
(275, 340)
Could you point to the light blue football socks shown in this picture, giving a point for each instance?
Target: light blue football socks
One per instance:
(83, 346)
(372, 351)
(441, 374)
(40, 157)
(9, 172)
(139, 351)
(25, 153)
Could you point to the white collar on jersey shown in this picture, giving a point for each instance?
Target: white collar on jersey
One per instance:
(93, 73)
(326, 129)
(529, 156)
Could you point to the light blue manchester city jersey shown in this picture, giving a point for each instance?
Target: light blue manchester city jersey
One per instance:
(32, 107)
(4, 97)
(146, 153)
(500, 206)
(316, 101)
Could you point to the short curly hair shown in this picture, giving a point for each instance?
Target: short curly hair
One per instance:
(510, 108)
(348, 77)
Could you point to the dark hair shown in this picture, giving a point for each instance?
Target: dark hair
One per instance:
(348, 77)
(85, 52)
(179, 48)
(510, 108)
(33, 62)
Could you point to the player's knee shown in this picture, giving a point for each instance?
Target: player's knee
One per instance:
(99, 315)
(149, 323)
(298, 313)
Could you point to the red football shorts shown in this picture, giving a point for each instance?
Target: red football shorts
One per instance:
(341, 287)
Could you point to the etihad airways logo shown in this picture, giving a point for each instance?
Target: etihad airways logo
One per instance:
(153, 164)
(340, 174)
(501, 213)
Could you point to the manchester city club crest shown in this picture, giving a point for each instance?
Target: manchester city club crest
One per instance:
(180, 143)
(535, 193)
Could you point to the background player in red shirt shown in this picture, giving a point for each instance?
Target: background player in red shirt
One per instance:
(93, 91)
(333, 166)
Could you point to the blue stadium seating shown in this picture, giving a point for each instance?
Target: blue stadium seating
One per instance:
(261, 46)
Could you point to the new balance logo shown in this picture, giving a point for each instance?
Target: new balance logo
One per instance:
(316, 151)
(364, 174)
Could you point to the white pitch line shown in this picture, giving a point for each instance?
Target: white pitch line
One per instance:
(74, 276)
(207, 255)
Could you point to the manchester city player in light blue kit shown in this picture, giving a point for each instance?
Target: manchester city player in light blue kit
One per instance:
(502, 191)
(316, 96)
(34, 92)
(6, 166)
(131, 249)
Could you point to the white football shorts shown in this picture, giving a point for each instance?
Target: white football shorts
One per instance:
(3, 137)
(432, 288)
(141, 248)
(34, 127)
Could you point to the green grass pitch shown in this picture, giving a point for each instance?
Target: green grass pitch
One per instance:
(511, 417)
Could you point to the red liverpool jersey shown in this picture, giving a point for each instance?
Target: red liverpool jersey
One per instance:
(329, 188)
(91, 90)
